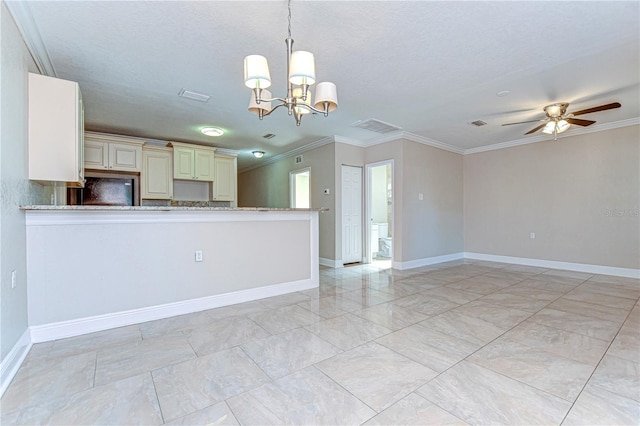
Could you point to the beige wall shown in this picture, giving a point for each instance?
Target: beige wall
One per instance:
(580, 195)
(16, 188)
(268, 186)
(422, 229)
(433, 226)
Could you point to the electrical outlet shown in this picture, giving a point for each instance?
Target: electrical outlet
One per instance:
(198, 255)
(13, 279)
(420, 196)
(532, 235)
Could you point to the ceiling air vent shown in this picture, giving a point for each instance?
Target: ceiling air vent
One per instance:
(478, 123)
(189, 94)
(376, 126)
(269, 136)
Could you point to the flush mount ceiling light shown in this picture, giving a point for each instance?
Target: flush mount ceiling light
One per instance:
(258, 154)
(300, 75)
(212, 131)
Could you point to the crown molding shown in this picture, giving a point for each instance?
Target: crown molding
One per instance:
(432, 142)
(394, 136)
(226, 151)
(292, 153)
(542, 138)
(27, 26)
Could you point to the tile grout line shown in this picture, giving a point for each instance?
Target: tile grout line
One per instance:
(596, 368)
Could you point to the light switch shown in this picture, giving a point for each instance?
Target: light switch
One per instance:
(532, 235)
(421, 196)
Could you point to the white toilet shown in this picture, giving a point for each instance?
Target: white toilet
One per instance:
(384, 241)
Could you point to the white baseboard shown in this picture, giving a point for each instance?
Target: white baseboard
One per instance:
(552, 264)
(76, 327)
(12, 362)
(331, 263)
(410, 264)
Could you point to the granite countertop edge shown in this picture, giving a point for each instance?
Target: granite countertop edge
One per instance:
(163, 208)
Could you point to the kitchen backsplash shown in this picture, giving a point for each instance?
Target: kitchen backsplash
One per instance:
(172, 203)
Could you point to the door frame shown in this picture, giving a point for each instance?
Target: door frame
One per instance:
(369, 201)
(292, 185)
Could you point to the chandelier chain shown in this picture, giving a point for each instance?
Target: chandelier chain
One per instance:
(289, 7)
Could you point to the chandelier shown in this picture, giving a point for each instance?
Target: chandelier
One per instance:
(301, 75)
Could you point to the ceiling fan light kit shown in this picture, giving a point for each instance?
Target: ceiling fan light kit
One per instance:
(559, 121)
(301, 74)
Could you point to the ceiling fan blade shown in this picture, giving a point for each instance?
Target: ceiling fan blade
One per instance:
(523, 122)
(580, 122)
(598, 108)
(536, 129)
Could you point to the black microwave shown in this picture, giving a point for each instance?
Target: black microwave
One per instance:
(106, 189)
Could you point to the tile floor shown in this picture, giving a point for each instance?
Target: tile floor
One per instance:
(458, 343)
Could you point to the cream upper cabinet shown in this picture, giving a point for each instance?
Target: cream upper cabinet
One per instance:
(156, 179)
(224, 184)
(111, 152)
(56, 131)
(192, 162)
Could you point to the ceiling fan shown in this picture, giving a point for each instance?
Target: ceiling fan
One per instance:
(557, 119)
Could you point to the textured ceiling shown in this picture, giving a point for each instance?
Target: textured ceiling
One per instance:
(428, 67)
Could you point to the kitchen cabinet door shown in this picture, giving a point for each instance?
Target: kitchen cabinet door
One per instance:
(157, 173)
(192, 162)
(112, 152)
(96, 155)
(205, 166)
(125, 157)
(184, 163)
(56, 131)
(224, 184)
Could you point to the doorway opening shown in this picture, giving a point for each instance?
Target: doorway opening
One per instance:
(380, 214)
(299, 188)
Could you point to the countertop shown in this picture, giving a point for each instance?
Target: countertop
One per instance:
(163, 208)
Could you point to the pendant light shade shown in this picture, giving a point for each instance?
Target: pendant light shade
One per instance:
(264, 106)
(326, 92)
(256, 72)
(302, 69)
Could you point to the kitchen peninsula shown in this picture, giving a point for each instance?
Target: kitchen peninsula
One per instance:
(92, 268)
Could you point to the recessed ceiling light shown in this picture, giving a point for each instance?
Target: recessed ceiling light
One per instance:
(503, 93)
(212, 131)
(258, 154)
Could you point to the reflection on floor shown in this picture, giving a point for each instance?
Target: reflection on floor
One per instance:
(462, 342)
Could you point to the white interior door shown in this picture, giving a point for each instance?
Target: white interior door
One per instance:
(351, 214)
